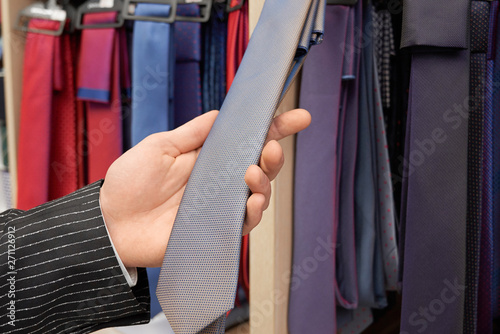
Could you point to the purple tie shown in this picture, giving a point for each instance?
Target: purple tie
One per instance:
(312, 295)
(436, 199)
(187, 82)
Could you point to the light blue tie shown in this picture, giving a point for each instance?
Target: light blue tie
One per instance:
(152, 74)
(152, 89)
(200, 270)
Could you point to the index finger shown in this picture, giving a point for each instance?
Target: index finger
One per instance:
(288, 124)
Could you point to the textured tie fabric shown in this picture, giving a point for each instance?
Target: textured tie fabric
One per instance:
(436, 199)
(496, 165)
(99, 85)
(237, 42)
(315, 220)
(387, 217)
(152, 74)
(187, 82)
(214, 60)
(36, 109)
(153, 60)
(200, 270)
(384, 48)
(479, 48)
(64, 156)
(485, 289)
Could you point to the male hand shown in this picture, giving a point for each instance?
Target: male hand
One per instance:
(143, 188)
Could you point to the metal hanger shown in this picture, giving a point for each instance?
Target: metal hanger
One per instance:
(205, 11)
(128, 11)
(342, 2)
(230, 9)
(47, 11)
(99, 6)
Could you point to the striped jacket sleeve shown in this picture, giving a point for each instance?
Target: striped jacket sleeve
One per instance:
(59, 273)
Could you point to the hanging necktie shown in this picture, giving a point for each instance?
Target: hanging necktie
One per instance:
(153, 62)
(65, 157)
(200, 270)
(346, 274)
(358, 319)
(214, 59)
(384, 50)
(237, 42)
(436, 198)
(479, 47)
(484, 309)
(496, 164)
(99, 85)
(312, 292)
(187, 82)
(36, 108)
(368, 244)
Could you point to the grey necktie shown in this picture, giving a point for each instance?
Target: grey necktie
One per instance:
(198, 279)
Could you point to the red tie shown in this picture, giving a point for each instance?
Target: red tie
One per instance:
(237, 41)
(64, 156)
(36, 108)
(99, 84)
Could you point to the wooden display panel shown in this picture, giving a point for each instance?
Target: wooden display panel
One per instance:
(271, 241)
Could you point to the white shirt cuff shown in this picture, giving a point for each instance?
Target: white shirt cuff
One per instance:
(129, 273)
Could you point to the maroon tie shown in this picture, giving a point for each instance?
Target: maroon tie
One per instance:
(99, 85)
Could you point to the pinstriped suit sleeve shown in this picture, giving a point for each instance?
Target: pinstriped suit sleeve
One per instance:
(59, 273)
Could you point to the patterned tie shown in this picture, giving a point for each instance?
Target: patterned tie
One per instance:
(200, 269)
(484, 294)
(63, 154)
(496, 163)
(384, 49)
(479, 48)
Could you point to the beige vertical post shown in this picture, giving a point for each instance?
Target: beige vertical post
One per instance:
(271, 241)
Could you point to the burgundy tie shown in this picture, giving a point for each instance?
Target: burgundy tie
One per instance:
(99, 85)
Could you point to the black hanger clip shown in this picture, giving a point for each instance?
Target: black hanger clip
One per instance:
(342, 2)
(205, 10)
(230, 9)
(50, 11)
(99, 6)
(128, 11)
